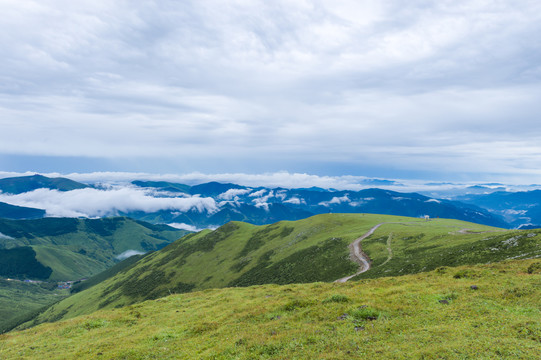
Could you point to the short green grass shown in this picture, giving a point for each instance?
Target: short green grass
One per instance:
(432, 315)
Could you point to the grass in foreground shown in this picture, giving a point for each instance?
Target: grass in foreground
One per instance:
(434, 315)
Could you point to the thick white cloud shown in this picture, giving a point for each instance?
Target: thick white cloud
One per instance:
(260, 200)
(258, 193)
(447, 86)
(96, 203)
(233, 193)
(188, 227)
(336, 201)
(295, 201)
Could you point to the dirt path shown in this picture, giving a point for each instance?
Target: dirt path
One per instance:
(358, 255)
(361, 258)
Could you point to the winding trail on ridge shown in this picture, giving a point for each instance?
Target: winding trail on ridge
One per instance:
(358, 255)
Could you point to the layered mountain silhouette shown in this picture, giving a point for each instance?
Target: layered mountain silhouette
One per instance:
(22, 184)
(14, 212)
(264, 205)
(257, 205)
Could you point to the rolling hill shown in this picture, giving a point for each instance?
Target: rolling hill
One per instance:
(70, 249)
(309, 250)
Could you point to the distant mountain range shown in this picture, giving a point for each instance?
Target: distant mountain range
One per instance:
(519, 209)
(22, 184)
(263, 205)
(224, 202)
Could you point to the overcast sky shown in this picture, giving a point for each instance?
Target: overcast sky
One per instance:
(443, 90)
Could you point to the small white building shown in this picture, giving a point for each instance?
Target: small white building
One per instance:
(427, 217)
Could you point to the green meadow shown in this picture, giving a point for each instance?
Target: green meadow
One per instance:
(20, 301)
(429, 315)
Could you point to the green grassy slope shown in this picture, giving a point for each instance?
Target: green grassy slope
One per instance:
(13, 212)
(404, 248)
(232, 255)
(434, 315)
(18, 299)
(77, 248)
(21, 302)
(314, 249)
(21, 262)
(124, 265)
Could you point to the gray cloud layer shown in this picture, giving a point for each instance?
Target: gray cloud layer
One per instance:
(119, 180)
(445, 86)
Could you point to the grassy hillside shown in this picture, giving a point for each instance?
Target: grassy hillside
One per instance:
(310, 250)
(75, 248)
(124, 265)
(435, 315)
(403, 248)
(19, 300)
(13, 212)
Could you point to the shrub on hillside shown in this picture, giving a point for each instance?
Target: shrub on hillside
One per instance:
(534, 268)
(337, 298)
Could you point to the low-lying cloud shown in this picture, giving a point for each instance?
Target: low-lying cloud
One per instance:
(336, 201)
(183, 226)
(232, 193)
(98, 203)
(128, 253)
(295, 201)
